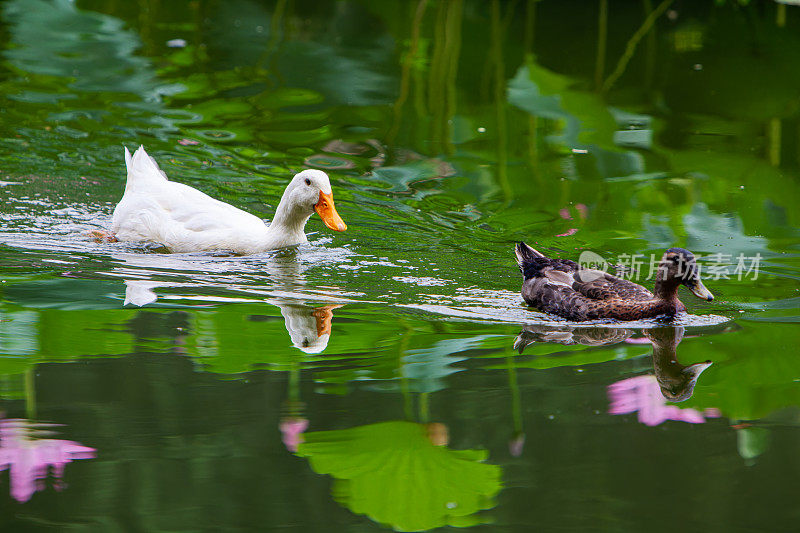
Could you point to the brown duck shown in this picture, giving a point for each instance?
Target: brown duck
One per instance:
(563, 288)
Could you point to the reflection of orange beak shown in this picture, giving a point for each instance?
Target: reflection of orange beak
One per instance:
(324, 316)
(327, 211)
(437, 433)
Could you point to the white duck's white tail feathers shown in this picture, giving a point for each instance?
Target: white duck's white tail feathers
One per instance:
(141, 168)
(128, 162)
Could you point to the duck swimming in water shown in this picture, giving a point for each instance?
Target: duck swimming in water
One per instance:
(563, 288)
(183, 219)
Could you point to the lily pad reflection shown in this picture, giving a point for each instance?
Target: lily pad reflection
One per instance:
(396, 474)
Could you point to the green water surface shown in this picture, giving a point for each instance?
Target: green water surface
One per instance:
(390, 377)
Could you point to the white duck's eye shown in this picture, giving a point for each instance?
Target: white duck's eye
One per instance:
(308, 181)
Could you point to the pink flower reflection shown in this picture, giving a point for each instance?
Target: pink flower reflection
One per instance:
(570, 231)
(29, 458)
(642, 395)
(638, 340)
(582, 210)
(292, 432)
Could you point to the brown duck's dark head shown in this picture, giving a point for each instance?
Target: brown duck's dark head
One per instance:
(678, 267)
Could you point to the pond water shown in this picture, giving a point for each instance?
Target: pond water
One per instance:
(390, 377)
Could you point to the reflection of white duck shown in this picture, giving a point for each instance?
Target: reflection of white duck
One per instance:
(139, 292)
(154, 209)
(309, 327)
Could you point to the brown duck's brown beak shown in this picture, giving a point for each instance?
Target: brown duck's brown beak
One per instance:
(327, 211)
(699, 290)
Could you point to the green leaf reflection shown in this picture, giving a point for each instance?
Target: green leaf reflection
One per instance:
(393, 473)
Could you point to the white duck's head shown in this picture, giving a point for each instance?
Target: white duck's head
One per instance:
(309, 192)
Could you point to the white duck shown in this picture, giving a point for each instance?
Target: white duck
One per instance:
(183, 219)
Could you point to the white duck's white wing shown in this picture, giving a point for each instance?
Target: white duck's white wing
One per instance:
(180, 217)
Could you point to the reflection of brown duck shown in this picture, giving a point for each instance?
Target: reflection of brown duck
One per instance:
(676, 380)
(531, 334)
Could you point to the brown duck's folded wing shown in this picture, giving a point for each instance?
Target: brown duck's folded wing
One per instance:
(599, 285)
(550, 296)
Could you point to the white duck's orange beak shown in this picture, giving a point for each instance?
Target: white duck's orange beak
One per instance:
(327, 211)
